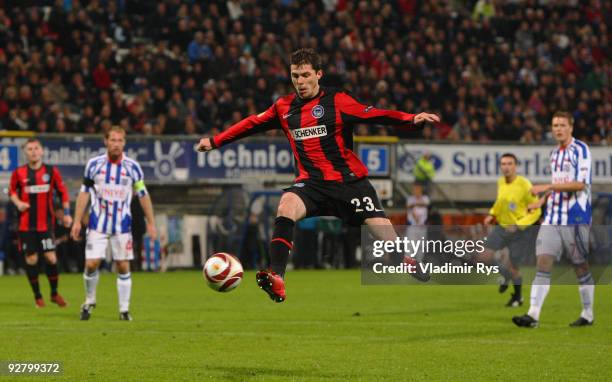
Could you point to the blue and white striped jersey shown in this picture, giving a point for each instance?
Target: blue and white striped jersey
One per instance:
(111, 185)
(570, 164)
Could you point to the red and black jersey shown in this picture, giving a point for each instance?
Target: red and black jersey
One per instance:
(35, 187)
(320, 131)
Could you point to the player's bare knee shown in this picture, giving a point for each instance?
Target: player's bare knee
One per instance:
(485, 256)
(91, 269)
(545, 263)
(581, 269)
(123, 267)
(284, 209)
(514, 272)
(291, 207)
(377, 221)
(381, 228)
(31, 258)
(285, 213)
(51, 258)
(91, 265)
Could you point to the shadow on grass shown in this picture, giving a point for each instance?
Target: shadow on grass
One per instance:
(242, 373)
(20, 304)
(432, 310)
(475, 333)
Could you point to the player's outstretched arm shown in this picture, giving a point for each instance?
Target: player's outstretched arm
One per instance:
(267, 120)
(205, 144)
(558, 187)
(353, 111)
(426, 117)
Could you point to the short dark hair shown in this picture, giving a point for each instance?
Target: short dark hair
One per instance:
(564, 114)
(31, 140)
(510, 155)
(306, 56)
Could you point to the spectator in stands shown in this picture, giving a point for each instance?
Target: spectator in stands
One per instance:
(424, 172)
(417, 210)
(198, 49)
(489, 60)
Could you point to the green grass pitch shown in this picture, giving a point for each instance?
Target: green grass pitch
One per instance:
(330, 328)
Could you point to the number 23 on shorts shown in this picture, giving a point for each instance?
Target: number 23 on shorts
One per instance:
(366, 202)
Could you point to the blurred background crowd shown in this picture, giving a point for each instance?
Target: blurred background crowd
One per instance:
(494, 70)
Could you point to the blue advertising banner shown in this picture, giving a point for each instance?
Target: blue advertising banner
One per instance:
(376, 159)
(9, 158)
(250, 159)
(480, 163)
(177, 161)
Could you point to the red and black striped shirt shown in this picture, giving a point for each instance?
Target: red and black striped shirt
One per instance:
(35, 187)
(320, 131)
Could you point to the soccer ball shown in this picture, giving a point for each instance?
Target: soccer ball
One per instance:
(223, 272)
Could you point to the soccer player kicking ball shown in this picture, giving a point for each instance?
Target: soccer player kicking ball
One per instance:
(514, 231)
(331, 179)
(31, 190)
(566, 223)
(109, 182)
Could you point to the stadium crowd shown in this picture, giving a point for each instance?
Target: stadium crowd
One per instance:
(494, 70)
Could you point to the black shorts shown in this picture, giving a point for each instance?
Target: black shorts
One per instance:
(352, 202)
(36, 242)
(520, 243)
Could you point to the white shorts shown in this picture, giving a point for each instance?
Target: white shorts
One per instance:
(555, 239)
(121, 245)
